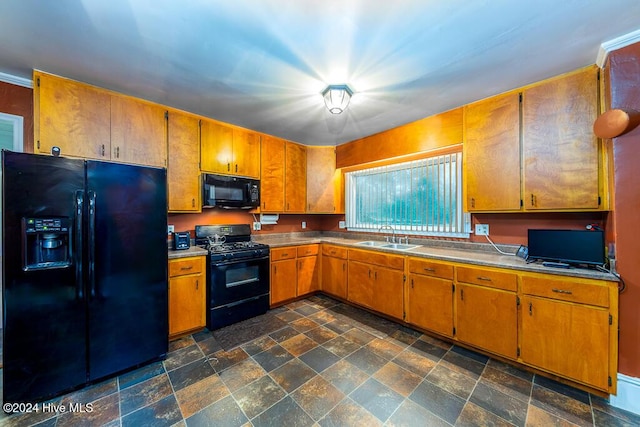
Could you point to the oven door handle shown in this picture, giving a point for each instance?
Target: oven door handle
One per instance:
(230, 262)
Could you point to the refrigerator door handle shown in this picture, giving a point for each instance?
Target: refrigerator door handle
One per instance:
(77, 250)
(92, 243)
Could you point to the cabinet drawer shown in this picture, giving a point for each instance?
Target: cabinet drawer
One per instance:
(182, 266)
(307, 250)
(278, 254)
(334, 251)
(490, 278)
(377, 258)
(430, 268)
(567, 290)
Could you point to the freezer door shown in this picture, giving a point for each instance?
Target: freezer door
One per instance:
(44, 348)
(127, 288)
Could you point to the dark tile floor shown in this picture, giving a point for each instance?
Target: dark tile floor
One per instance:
(331, 365)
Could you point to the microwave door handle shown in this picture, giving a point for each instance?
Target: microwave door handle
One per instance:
(92, 244)
(78, 250)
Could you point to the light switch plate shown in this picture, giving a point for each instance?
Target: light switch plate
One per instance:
(342, 224)
(257, 226)
(170, 228)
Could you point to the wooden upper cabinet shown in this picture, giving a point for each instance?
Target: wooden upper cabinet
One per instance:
(492, 154)
(272, 174)
(560, 150)
(324, 182)
(246, 153)
(295, 177)
(138, 132)
(72, 116)
(228, 150)
(183, 172)
(216, 147)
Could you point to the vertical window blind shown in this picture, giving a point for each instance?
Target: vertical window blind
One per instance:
(420, 197)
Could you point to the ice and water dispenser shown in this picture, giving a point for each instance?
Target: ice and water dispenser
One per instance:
(46, 243)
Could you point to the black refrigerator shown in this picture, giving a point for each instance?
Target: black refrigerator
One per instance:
(84, 272)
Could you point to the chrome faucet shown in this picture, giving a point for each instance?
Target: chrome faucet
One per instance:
(393, 231)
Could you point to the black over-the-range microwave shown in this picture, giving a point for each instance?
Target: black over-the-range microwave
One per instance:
(230, 192)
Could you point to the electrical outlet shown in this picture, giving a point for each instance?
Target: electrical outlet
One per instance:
(482, 229)
(304, 224)
(171, 228)
(342, 224)
(257, 226)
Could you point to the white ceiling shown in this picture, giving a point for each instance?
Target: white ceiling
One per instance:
(262, 64)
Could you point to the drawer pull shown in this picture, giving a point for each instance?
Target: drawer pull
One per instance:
(333, 252)
(186, 268)
(562, 291)
(285, 254)
(486, 279)
(429, 269)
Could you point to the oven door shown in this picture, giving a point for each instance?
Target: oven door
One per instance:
(233, 281)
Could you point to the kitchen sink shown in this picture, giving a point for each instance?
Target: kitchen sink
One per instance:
(399, 246)
(371, 243)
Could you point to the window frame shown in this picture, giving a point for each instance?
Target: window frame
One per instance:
(462, 221)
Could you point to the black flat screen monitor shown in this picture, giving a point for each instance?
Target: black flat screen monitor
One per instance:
(567, 246)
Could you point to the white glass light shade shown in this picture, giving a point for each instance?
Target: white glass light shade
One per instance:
(337, 97)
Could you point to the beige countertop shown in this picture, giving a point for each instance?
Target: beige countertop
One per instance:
(183, 253)
(489, 258)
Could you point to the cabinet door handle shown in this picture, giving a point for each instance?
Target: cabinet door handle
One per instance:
(228, 167)
(102, 150)
(411, 283)
(197, 284)
(533, 199)
(461, 294)
(275, 270)
(375, 275)
(486, 279)
(193, 203)
(429, 269)
(344, 266)
(473, 202)
(562, 291)
(118, 152)
(264, 205)
(530, 309)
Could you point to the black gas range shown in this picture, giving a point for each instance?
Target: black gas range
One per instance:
(238, 273)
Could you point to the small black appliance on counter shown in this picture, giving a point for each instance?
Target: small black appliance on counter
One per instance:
(566, 247)
(181, 240)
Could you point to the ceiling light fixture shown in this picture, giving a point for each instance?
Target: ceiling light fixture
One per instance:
(337, 97)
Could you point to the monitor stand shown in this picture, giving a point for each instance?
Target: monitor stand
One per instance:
(556, 264)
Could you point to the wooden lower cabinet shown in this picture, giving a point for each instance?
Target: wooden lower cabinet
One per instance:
(187, 295)
(567, 339)
(308, 276)
(429, 297)
(487, 318)
(294, 272)
(334, 271)
(379, 287)
(430, 303)
(569, 328)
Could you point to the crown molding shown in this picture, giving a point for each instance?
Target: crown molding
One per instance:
(20, 81)
(615, 44)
